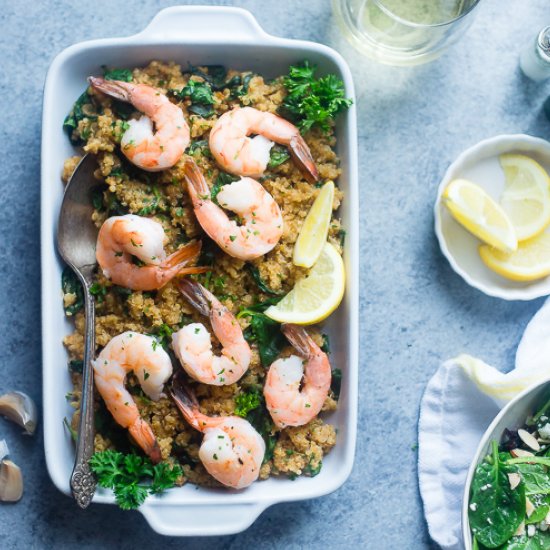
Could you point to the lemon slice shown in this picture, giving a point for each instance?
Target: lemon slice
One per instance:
(526, 196)
(476, 211)
(317, 295)
(313, 234)
(531, 260)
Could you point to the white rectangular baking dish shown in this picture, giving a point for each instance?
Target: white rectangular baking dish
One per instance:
(196, 35)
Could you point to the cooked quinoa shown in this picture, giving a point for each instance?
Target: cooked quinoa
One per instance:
(123, 189)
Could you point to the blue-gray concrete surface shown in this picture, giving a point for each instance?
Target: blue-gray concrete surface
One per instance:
(415, 311)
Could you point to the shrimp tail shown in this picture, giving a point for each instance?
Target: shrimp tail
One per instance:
(198, 188)
(302, 157)
(196, 295)
(144, 436)
(185, 400)
(183, 256)
(113, 88)
(299, 339)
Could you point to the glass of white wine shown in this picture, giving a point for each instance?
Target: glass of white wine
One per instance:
(403, 32)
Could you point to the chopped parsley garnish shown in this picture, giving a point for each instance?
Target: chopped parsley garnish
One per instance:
(131, 477)
(313, 102)
(125, 75)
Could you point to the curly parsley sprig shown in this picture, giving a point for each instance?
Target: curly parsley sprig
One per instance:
(310, 101)
(131, 477)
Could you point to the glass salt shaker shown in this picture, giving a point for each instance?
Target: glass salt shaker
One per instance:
(535, 58)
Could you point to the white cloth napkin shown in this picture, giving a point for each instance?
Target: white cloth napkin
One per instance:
(459, 403)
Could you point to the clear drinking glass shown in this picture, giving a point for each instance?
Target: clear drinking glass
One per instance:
(403, 32)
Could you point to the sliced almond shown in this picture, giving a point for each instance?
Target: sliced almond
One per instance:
(529, 508)
(520, 530)
(514, 480)
(529, 439)
(520, 452)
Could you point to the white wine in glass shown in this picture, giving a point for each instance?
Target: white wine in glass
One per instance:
(402, 32)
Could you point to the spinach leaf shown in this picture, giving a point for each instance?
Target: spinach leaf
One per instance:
(199, 147)
(76, 365)
(240, 91)
(215, 76)
(539, 541)
(260, 307)
(163, 334)
(71, 285)
(125, 75)
(535, 478)
(497, 509)
(82, 108)
(336, 382)
(268, 336)
(122, 291)
(97, 198)
(255, 272)
(115, 207)
(204, 111)
(197, 92)
(200, 94)
(261, 421)
(326, 343)
(123, 110)
(277, 156)
(542, 507)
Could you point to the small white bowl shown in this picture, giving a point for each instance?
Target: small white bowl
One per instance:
(512, 416)
(480, 164)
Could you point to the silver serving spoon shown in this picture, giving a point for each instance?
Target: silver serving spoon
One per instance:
(76, 242)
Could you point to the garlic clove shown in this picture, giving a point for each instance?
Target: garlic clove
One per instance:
(11, 482)
(19, 408)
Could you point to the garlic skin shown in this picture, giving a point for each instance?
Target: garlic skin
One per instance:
(19, 408)
(11, 482)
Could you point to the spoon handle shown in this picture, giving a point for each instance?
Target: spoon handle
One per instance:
(83, 482)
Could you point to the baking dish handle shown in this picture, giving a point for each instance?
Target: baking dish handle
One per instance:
(200, 519)
(204, 23)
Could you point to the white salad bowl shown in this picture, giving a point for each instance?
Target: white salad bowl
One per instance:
(480, 164)
(196, 35)
(512, 416)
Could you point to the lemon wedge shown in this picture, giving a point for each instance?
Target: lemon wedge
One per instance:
(531, 260)
(526, 196)
(477, 212)
(315, 296)
(313, 234)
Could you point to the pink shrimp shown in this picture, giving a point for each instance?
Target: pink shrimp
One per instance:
(193, 346)
(141, 354)
(150, 151)
(232, 451)
(287, 403)
(122, 237)
(239, 154)
(260, 216)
